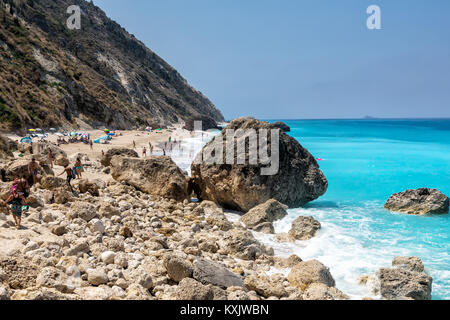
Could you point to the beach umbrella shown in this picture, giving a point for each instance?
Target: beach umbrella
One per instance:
(159, 129)
(52, 129)
(32, 130)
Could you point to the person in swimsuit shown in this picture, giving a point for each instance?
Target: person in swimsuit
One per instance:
(17, 201)
(67, 170)
(78, 168)
(33, 169)
(144, 152)
(23, 187)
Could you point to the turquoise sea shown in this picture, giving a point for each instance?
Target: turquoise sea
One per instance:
(365, 162)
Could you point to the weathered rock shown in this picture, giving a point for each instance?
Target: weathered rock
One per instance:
(189, 289)
(86, 186)
(61, 160)
(243, 244)
(268, 212)
(83, 210)
(208, 272)
(420, 201)
(106, 160)
(305, 273)
(399, 284)
(97, 277)
(242, 186)
(52, 182)
(62, 195)
(19, 168)
(51, 277)
(320, 291)
(304, 228)
(219, 220)
(59, 230)
(409, 263)
(265, 286)
(125, 232)
(177, 268)
(157, 176)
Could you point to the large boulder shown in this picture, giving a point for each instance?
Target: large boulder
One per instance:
(420, 201)
(125, 152)
(52, 182)
(304, 228)
(86, 186)
(397, 283)
(241, 187)
(157, 176)
(266, 213)
(305, 273)
(409, 263)
(19, 168)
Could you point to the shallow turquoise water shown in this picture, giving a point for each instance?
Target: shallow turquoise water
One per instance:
(365, 161)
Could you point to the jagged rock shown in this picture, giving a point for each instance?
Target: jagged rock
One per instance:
(177, 268)
(129, 153)
(157, 176)
(62, 195)
(189, 289)
(409, 263)
(86, 186)
(399, 283)
(137, 292)
(19, 168)
(125, 232)
(242, 187)
(208, 272)
(260, 218)
(59, 230)
(107, 210)
(320, 291)
(305, 273)
(304, 228)
(420, 201)
(219, 220)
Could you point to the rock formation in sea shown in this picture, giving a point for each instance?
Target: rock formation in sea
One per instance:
(242, 186)
(419, 202)
(97, 76)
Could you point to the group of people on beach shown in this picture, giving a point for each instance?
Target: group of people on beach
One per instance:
(20, 190)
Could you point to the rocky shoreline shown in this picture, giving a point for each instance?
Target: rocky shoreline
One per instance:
(140, 237)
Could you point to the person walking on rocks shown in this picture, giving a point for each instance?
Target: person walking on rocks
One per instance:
(50, 157)
(17, 201)
(78, 168)
(23, 187)
(144, 152)
(33, 170)
(70, 176)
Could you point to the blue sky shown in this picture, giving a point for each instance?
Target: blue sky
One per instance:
(295, 59)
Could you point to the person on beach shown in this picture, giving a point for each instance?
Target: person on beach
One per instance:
(17, 201)
(144, 152)
(151, 148)
(23, 187)
(91, 144)
(134, 144)
(78, 167)
(50, 157)
(33, 170)
(103, 153)
(67, 170)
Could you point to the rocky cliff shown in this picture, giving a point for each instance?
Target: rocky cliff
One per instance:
(51, 76)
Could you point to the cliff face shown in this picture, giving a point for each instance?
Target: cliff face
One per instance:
(100, 75)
